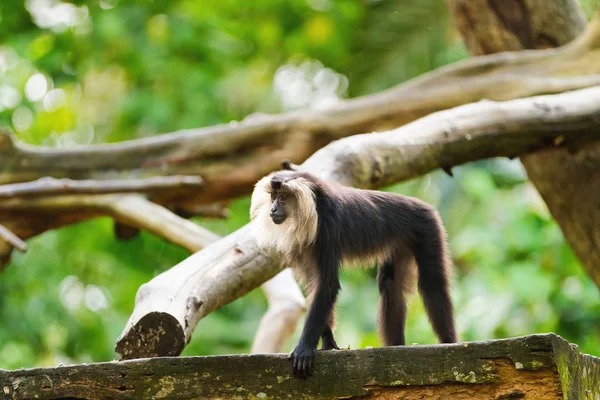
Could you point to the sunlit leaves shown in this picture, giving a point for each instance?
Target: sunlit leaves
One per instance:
(318, 29)
(40, 46)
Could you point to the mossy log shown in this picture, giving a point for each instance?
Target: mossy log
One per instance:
(539, 367)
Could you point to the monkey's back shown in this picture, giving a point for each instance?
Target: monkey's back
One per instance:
(367, 225)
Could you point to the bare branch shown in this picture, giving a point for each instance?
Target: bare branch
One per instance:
(215, 210)
(286, 302)
(194, 288)
(13, 239)
(49, 186)
(143, 214)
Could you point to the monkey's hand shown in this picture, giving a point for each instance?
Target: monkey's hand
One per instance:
(303, 357)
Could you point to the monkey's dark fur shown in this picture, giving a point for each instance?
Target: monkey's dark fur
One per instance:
(317, 226)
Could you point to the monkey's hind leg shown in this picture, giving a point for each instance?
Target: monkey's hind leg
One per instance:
(395, 280)
(434, 280)
(327, 339)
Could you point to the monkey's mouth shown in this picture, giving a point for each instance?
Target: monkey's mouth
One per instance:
(277, 219)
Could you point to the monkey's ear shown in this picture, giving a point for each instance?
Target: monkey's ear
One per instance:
(290, 166)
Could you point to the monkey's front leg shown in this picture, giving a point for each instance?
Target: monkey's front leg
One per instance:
(316, 322)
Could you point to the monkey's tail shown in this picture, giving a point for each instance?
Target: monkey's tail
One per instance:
(433, 261)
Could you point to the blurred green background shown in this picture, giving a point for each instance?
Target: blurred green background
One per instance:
(100, 71)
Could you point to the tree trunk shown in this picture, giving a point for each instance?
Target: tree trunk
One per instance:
(568, 182)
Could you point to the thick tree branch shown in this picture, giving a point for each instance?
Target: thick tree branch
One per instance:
(286, 302)
(563, 178)
(232, 157)
(233, 266)
(285, 299)
(29, 216)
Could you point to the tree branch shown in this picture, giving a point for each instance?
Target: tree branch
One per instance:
(286, 302)
(137, 211)
(49, 186)
(284, 296)
(195, 287)
(13, 239)
(232, 157)
(215, 210)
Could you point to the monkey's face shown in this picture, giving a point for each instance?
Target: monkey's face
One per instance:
(281, 205)
(283, 210)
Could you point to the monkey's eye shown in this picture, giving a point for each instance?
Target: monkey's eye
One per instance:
(273, 196)
(283, 196)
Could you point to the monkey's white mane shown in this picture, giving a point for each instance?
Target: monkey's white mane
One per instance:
(298, 230)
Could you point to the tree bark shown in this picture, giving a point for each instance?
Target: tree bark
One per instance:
(536, 367)
(568, 182)
(173, 302)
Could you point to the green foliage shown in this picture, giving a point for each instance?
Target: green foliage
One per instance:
(116, 70)
(129, 69)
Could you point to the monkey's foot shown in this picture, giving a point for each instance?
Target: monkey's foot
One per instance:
(303, 358)
(329, 346)
(328, 340)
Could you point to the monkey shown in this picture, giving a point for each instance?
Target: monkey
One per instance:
(316, 226)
